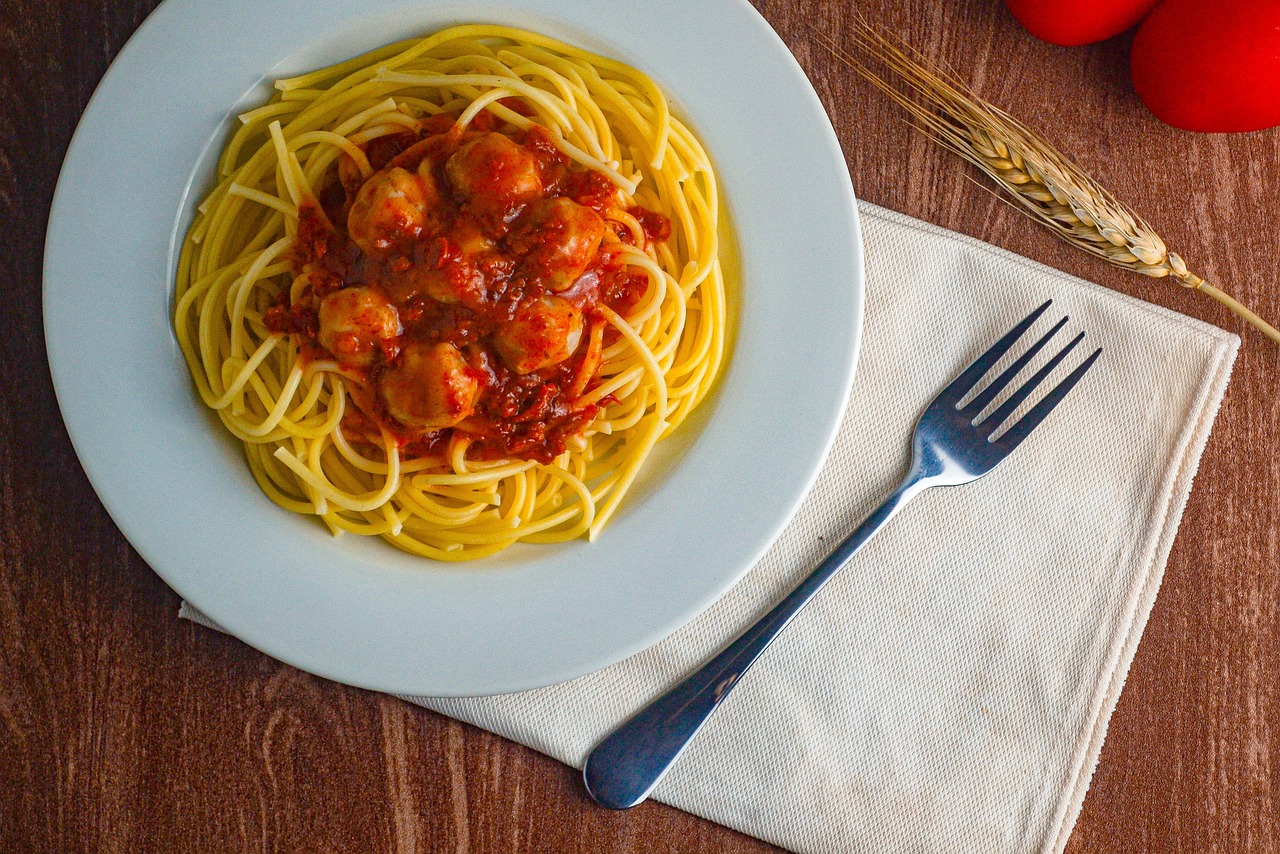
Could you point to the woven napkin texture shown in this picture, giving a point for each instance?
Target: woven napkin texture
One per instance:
(950, 690)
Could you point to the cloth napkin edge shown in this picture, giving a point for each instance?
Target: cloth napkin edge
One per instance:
(1191, 447)
(898, 218)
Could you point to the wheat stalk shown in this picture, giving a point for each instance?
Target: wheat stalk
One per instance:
(1049, 187)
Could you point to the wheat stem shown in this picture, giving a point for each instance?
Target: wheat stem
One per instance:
(1230, 302)
(1046, 185)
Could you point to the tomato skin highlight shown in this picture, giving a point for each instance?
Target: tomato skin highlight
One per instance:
(1068, 23)
(1209, 67)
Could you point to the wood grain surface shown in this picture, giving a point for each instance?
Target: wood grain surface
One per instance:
(123, 728)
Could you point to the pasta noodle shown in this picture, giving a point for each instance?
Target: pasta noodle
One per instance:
(318, 430)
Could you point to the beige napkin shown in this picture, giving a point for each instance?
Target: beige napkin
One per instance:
(950, 690)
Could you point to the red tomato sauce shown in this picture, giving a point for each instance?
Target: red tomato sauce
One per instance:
(460, 284)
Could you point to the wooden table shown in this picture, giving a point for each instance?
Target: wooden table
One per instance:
(127, 729)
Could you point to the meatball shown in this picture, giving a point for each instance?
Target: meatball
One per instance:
(542, 333)
(454, 269)
(354, 323)
(431, 387)
(494, 175)
(559, 239)
(393, 209)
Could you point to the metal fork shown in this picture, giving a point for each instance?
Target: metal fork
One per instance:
(948, 449)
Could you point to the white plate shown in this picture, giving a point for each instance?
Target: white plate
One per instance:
(355, 609)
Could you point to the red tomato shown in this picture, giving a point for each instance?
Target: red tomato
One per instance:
(1212, 67)
(1073, 22)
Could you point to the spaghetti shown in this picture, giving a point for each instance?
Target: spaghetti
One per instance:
(452, 292)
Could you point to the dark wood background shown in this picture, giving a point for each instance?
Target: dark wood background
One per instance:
(126, 729)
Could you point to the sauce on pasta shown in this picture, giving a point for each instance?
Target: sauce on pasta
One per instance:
(459, 286)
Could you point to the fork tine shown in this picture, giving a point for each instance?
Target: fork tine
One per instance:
(1014, 435)
(976, 371)
(995, 419)
(997, 385)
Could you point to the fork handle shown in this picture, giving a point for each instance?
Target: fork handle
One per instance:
(624, 768)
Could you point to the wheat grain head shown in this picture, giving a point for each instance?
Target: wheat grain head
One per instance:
(1048, 186)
